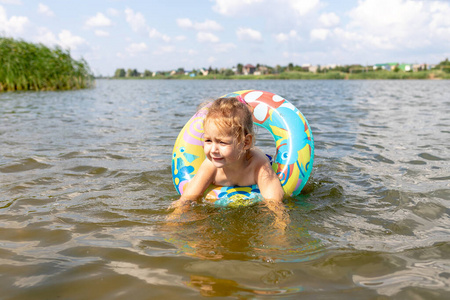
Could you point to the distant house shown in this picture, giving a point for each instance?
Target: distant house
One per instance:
(248, 69)
(305, 67)
(405, 67)
(419, 67)
(386, 66)
(313, 69)
(262, 70)
(330, 67)
(310, 68)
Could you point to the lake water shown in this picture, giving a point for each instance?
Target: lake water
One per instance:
(85, 183)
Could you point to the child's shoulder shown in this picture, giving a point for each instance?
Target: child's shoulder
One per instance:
(259, 157)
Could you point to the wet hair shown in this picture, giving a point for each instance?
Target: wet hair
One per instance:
(231, 116)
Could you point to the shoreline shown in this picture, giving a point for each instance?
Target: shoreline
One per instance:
(373, 75)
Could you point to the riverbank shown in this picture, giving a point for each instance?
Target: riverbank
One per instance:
(27, 66)
(374, 75)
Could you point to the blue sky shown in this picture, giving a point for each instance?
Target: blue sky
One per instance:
(168, 34)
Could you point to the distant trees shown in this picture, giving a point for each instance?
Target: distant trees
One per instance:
(132, 73)
(228, 72)
(240, 67)
(119, 73)
(444, 65)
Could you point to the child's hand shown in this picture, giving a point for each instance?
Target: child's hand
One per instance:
(180, 206)
(281, 223)
(282, 218)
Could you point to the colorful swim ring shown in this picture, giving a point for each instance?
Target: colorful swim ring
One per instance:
(292, 163)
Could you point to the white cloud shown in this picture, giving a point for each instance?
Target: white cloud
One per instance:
(207, 25)
(385, 16)
(136, 48)
(248, 34)
(45, 10)
(46, 37)
(153, 33)
(212, 59)
(440, 22)
(267, 8)
(303, 7)
(138, 23)
(12, 25)
(99, 32)
(284, 37)
(69, 41)
(398, 24)
(207, 37)
(319, 34)
(329, 19)
(185, 23)
(99, 20)
(233, 7)
(65, 39)
(136, 20)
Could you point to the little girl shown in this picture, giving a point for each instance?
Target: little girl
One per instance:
(231, 158)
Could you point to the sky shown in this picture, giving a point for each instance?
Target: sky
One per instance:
(161, 35)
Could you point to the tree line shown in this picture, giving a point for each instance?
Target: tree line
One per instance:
(239, 69)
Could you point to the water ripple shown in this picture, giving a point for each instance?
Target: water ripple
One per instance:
(85, 183)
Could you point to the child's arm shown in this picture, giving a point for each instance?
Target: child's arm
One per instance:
(272, 192)
(195, 188)
(269, 183)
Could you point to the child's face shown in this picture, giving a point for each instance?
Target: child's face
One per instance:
(220, 148)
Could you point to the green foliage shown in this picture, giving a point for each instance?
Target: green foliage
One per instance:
(119, 73)
(384, 75)
(132, 73)
(27, 66)
(445, 62)
(240, 67)
(147, 73)
(444, 66)
(228, 72)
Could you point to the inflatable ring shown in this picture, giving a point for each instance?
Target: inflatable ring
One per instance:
(292, 163)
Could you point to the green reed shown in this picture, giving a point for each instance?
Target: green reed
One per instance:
(28, 66)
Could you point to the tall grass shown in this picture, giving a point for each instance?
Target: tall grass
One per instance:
(27, 66)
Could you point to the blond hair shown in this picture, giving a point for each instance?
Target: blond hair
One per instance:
(231, 116)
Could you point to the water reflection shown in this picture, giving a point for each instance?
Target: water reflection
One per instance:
(243, 234)
(154, 276)
(215, 287)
